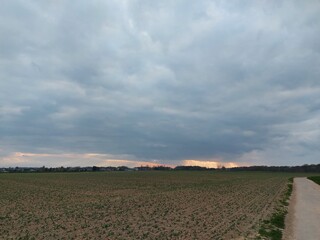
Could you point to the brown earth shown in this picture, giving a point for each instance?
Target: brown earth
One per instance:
(137, 205)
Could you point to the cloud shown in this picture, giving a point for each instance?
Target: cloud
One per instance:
(164, 81)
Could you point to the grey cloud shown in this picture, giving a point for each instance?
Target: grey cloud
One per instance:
(166, 80)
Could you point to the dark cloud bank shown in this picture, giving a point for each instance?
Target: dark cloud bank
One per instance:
(230, 81)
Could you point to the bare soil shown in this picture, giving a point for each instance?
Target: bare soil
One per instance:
(137, 205)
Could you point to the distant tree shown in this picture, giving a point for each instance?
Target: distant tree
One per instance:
(123, 168)
(95, 168)
(161, 168)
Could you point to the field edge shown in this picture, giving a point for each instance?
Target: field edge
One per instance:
(273, 227)
(315, 179)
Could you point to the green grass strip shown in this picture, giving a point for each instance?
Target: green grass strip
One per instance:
(316, 179)
(272, 228)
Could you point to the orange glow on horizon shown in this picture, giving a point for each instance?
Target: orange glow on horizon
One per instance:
(212, 164)
(75, 159)
(103, 160)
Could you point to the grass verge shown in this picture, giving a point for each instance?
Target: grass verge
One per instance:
(316, 179)
(273, 227)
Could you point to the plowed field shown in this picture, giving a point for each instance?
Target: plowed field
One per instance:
(136, 205)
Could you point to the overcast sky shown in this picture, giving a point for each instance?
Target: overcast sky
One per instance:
(131, 82)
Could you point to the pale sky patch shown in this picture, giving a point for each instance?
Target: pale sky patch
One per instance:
(212, 164)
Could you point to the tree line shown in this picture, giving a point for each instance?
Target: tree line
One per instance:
(302, 168)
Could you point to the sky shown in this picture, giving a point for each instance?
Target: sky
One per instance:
(137, 82)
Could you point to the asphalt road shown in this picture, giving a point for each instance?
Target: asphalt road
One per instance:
(303, 220)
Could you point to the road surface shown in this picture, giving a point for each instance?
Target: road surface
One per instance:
(303, 220)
